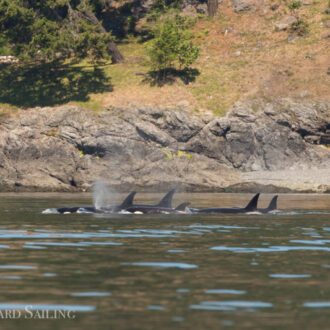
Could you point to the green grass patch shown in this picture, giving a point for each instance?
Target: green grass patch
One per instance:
(8, 107)
(51, 84)
(7, 110)
(93, 104)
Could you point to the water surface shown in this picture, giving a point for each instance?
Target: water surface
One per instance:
(166, 271)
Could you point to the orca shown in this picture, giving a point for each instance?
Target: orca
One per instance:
(155, 209)
(250, 207)
(165, 202)
(271, 207)
(118, 207)
(74, 209)
(106, 209)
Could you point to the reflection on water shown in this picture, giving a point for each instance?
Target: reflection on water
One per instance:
(17, 267)
(164, 265)
(281, 248)
(90, 294)
(290, 275)
(33, 307)
(317, 304)
(175, 271)
(156, 308)
(231, 305)
(225, 291)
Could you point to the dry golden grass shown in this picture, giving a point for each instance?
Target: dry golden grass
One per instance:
(251, 61)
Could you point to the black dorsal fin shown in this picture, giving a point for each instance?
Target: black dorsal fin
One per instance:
(128, 201)
(273, 204)
(182, 206)
(253, 203)
(166, 201)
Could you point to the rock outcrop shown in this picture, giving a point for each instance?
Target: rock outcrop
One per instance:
(66, 148)
(243, 5)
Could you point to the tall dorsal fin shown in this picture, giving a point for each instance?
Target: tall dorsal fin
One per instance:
(273, 204)
(128, 201)
(253, 203)
(182, 206)
(166, 201)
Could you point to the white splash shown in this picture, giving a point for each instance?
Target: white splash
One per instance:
(103, 195)
(50, 211)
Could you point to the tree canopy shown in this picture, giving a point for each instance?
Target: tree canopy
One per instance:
(52, 29)
(172, 44)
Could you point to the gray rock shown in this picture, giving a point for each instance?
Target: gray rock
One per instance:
(312, 139)
(152, 133)
(241, 110)
(189, 11)
(284, 23)
(201, 8)
(66, 148)
(243, 5)
(181, 126)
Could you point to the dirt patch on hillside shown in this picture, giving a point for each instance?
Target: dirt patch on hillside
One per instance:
(242, 55)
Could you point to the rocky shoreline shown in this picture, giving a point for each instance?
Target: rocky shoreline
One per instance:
(280, 147)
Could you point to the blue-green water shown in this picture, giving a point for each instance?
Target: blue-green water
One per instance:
(165, 271)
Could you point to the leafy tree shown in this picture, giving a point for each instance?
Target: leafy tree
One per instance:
(52, 29)
(172, 44)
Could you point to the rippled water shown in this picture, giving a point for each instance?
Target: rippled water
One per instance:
(165, 271)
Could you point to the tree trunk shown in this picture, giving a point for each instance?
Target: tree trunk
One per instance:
(116, 56)
(212, 7)
(112, 49)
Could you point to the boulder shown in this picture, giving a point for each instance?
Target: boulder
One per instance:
(243, 5)
(285, 23)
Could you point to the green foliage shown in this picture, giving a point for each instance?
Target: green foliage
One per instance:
(163, 5)
(90, 42)
(160, 7)
(294, 4)
(172, 44)
(187, 54)
(51, 29)
(4, 49)
(300, 28)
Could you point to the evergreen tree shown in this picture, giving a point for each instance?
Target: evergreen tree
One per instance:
(51, 29)
(172, 44)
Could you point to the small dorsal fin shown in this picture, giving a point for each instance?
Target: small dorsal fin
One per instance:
(182, 206)
(128, 201)
(166, 201)
(273, 204)
(253, 203)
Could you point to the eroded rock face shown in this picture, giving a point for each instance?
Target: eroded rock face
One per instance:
(66, 148)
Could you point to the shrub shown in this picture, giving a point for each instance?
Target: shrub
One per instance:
(294, 4)
(299, 28)
(4, 49)
(161, 7)
(172, 44)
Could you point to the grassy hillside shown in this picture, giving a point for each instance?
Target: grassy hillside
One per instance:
(242, 56)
